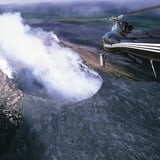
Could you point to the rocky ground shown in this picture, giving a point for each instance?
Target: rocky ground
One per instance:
(11, 98)
(10, 110)
(113, 124)
(91, 56)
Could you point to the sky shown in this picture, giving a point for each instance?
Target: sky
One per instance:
(153, 2)
(34, 1)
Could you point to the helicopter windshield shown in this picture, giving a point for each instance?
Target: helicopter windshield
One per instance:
(125, 27)
(122, 27)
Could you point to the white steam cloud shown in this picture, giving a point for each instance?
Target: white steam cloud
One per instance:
(5, 67)
(58, 68)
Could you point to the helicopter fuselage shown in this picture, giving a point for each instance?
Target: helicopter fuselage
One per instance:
(123, 40)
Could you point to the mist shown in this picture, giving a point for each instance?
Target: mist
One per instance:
(58, 68)
(5, 67)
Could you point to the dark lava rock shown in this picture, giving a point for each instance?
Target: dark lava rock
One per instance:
(10, 110)
(116, 123)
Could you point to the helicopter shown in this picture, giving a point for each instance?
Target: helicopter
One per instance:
(124, 40)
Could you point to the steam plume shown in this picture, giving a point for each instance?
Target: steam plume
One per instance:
(5, 67)
(58, 68)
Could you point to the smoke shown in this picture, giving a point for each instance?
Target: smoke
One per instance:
(5, 67)
(58, 68)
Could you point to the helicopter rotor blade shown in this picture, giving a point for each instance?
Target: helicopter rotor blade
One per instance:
(113, 18)
(141, 11)
(117, 18)
(79, 19)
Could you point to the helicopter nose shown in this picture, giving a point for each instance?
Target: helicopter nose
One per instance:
(111, 38)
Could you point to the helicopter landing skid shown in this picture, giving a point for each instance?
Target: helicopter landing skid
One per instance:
(153, 68)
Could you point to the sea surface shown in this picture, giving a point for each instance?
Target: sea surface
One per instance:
(120, 122)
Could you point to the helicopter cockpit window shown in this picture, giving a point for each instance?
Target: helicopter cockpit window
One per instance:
(126, 28)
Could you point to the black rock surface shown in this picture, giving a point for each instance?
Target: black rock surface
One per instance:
(120, 122)
(11, 100)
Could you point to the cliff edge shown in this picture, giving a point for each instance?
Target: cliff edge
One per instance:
(11, 100)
